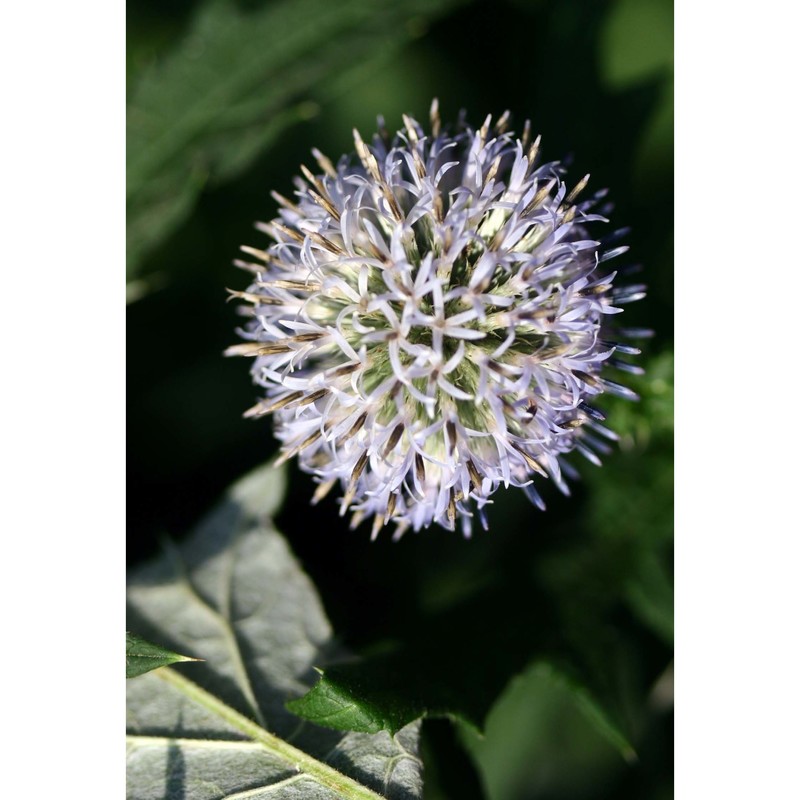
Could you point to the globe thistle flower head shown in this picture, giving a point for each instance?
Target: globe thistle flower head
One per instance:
(433, 321)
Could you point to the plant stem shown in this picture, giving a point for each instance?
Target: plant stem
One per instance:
(322, 773)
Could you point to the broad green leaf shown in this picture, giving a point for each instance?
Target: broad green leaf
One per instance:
(636, 42)
(538, 743)
(234, 594)
(141, 656)
(239, 79)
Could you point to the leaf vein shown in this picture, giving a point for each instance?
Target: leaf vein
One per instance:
(268, 787)
(227, 630)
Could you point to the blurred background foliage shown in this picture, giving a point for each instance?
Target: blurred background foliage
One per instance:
(226, 99)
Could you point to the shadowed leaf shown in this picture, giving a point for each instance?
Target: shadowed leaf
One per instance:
(234, 594)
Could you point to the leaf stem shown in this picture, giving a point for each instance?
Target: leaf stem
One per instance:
(322, 773)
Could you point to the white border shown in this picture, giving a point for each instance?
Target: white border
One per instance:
(737, 696)
(738, 702)
(62, 162)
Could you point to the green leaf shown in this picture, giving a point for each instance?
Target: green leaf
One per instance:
(368, 697)
(388, 693)
(636, 42)
(449, 671)
(432, 672)
(141, 656)
(234, 593)
(237, 81)
(536, 736)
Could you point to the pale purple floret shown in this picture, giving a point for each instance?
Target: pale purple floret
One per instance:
(433, 321)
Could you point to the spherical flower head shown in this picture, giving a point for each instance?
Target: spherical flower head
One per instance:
(432, 321)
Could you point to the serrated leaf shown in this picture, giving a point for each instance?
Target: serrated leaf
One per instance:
(367, 697)
(428, 674)
(378, 695)
(451, 675)
(234, 594)
(142, 656)
(238, 80)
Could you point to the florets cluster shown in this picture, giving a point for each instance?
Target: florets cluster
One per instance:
(432, 321)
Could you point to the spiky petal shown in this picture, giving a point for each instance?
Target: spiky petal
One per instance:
(433, 321)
